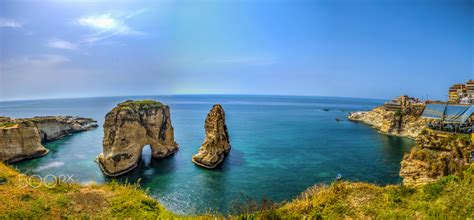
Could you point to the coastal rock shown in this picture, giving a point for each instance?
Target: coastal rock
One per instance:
(216, 144)
(128, 128)
(19, 140)
(436, 155)
(389, 122)
(55, 127)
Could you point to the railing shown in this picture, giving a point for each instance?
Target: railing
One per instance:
(452, 128)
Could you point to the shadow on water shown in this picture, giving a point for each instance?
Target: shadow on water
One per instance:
(234, 159)
(395, 146)
(148, 168)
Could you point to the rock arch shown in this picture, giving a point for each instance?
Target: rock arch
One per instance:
(131, 126)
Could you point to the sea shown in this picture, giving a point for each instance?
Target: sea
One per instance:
(281, 145)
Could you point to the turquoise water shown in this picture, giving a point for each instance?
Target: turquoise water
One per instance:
(280, 146)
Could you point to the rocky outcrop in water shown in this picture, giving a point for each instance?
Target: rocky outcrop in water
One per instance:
(391, 122)
(21, 138)
(216, 145)
(128, 128)
(436, 155)
(55, 127)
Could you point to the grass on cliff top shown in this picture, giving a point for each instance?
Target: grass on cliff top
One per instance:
(22, 200)
(140, 104)
(449, 197)
(8, 125)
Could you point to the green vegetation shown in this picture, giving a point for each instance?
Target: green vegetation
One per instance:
(450, 197)
(7, 124)
(140, 104)
(21, 200)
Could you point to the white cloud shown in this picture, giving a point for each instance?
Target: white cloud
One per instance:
(61, 44)
(108, 25)
(4, 22)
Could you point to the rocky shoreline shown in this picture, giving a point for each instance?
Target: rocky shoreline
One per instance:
(387, 122)
(434, 155)
(22, 138)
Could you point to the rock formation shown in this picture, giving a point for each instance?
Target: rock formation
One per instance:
(216, 145)
(21, 138)
(128, 128)
(55, 127)
(391, 122)
(436, 155)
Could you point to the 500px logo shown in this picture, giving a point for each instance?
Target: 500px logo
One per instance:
(49, 180)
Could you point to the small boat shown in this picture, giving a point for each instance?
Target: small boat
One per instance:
(338, 119)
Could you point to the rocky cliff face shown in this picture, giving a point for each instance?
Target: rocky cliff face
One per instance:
(21, 138)
(216, 145)
(55, 127)
(391, 122)
(436, 155)
(128, 128)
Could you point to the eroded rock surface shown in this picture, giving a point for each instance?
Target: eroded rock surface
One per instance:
(21, 138)
(55, 127)
(216, 145)
(128, 128)
(391, 123)
(436, 155)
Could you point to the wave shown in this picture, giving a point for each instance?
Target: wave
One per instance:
(49, 166)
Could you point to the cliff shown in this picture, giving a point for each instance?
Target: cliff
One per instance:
(397, 123)
(128, 128)
(436, 155)
(216, 145)
(21, 138)
(55, 127)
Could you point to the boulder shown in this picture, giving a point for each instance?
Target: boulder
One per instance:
(128, 128)
(216, 145)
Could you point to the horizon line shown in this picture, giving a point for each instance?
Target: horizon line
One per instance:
(185, 94)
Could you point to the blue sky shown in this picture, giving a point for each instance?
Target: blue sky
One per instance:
(372, 49)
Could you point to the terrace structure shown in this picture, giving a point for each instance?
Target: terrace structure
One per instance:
(450, 118)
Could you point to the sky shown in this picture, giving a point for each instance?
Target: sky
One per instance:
(347, 48)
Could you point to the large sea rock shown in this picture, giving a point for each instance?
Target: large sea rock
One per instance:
(216, 145)
(22, 138)
(131, 126)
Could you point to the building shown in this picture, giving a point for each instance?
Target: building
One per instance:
(399, 103)
(470, 90)
(456, 92)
